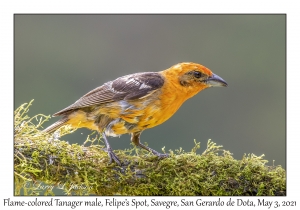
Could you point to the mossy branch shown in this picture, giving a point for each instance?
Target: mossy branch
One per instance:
(84, 170)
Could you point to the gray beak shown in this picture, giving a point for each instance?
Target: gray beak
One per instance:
(216, 81)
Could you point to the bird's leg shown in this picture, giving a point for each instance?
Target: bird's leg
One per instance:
(111, 154)
(135, 138)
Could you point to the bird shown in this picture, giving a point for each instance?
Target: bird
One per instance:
(133, 103)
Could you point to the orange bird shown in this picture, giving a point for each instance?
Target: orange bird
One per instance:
(136, 102)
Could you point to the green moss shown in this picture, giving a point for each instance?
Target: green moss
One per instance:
(41, 159)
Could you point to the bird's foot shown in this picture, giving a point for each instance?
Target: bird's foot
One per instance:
(112, 156)
(160, 155)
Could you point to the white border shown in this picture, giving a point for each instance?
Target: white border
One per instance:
(8, 8)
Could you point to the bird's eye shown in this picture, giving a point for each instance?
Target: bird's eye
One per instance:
(197, 74)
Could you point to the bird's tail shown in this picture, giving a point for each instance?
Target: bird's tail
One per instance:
(56, 125)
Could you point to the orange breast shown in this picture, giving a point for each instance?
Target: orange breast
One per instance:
(148, 114)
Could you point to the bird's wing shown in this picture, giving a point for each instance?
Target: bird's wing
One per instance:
(129, 87)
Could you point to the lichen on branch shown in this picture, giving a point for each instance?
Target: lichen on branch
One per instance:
(84, 170)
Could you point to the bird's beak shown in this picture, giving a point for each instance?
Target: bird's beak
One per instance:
(215, 81)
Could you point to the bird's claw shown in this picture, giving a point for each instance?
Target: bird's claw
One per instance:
(160, 155)
(112, 156)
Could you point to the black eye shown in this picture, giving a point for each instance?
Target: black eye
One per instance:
(197, 74)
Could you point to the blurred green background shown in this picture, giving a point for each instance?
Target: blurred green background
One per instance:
(58, 58)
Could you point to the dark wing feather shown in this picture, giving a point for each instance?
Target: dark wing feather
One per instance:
(128, 87)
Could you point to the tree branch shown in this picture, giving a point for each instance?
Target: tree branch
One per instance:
(84, 170)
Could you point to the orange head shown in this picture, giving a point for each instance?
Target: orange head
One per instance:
(191, 78)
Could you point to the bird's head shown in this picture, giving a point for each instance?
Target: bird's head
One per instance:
(193, 77)
(194, 74)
